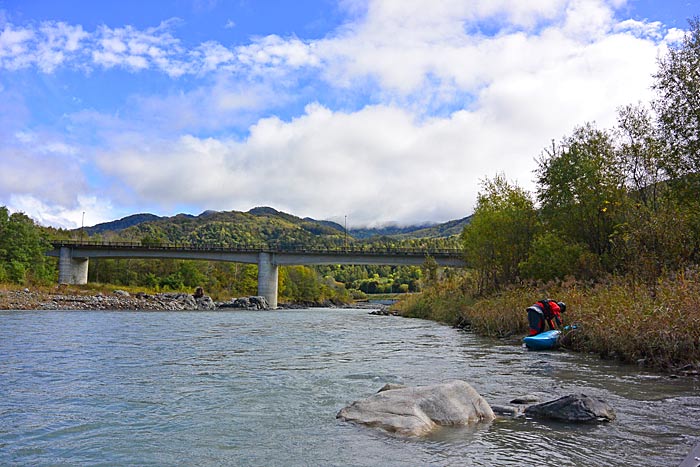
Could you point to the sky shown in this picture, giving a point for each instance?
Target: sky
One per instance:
(387, 111)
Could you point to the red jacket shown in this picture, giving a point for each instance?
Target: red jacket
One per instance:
(546, 312)
(551, 311)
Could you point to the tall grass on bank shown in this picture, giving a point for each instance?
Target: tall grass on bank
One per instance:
(623, 320)
(453, 302)
(441, 301)
(617, 319)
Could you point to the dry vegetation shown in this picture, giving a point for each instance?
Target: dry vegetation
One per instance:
(616, 318)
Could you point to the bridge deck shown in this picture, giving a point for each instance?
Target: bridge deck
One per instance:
(352, 254)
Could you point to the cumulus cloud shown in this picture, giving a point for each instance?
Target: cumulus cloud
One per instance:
(39, 172)
(87, 211)
(402, 44)
(507, 76)
(411, 47)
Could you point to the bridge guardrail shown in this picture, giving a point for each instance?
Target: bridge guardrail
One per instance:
(258, 248)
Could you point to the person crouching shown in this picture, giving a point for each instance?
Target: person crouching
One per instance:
(545, 313)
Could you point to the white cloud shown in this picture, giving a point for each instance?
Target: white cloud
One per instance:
(14, 44)
(641, 28)
(675, 36)
(60, 39)
(47, 46)
(31, 171)
(93, 209)
(219, 104)
(274, 52)
(527, 72)
(376, 165)
(213, 55)
(139, 50)
(409, 47)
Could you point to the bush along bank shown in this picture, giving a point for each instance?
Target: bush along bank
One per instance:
(617, 318)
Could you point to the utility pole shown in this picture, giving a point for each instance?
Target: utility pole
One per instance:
(346, 231)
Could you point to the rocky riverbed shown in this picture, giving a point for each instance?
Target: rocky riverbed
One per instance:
(121, 300)
(28, 299)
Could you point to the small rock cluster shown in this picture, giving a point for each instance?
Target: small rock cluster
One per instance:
(246, 303)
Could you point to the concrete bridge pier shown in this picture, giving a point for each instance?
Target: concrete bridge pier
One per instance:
(267, 278)
(71, 270)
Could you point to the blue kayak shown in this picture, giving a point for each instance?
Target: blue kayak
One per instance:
(543, 341)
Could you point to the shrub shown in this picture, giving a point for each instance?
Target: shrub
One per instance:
(551, 257)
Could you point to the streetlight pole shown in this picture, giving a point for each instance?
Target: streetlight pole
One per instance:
(346, 232)
(82, 227)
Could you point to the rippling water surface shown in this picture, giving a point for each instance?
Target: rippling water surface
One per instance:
(263, 388)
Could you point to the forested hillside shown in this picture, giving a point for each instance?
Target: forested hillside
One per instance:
(257, 227)
(261, 226)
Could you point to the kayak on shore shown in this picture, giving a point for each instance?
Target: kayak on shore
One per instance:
(543, 341)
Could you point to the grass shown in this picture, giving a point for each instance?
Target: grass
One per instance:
(617, 319)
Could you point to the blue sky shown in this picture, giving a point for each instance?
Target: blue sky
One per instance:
(381, 111)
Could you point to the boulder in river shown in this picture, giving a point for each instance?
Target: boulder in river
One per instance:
(573, 408)
(246, 303)
(415, 411)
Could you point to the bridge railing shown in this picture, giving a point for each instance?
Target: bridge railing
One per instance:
(263, 247)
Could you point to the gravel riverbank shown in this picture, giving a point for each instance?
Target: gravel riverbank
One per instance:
(28, 299)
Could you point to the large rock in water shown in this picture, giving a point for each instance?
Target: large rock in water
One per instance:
(573, 408)
(415, 411)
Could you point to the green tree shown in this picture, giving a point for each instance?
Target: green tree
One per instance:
(580, 187)
(300, 284)
(677, 83)
(191, 275)
(656, 231)
(22, 248)
(551, 257)
(641, 155)
(498, 237)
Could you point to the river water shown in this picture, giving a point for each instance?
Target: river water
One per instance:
(263, 389)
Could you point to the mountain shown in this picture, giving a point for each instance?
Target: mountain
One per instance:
(260, 225)
(121, 224)
(443, 230)
(446, 229)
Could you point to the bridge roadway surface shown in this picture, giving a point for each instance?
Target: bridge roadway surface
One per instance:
(74, 255)
(296, 255)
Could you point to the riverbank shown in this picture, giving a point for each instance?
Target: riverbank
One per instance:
(654, 327)
(75, 298)
(33, 299)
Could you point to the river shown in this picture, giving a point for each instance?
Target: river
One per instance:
(263, 389)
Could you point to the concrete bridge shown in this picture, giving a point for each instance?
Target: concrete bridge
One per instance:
(73, 258)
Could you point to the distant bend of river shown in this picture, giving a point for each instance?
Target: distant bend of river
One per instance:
(263, 389)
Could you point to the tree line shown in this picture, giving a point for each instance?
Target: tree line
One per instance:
(23, 245)
(22, 248)
(623, 200)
